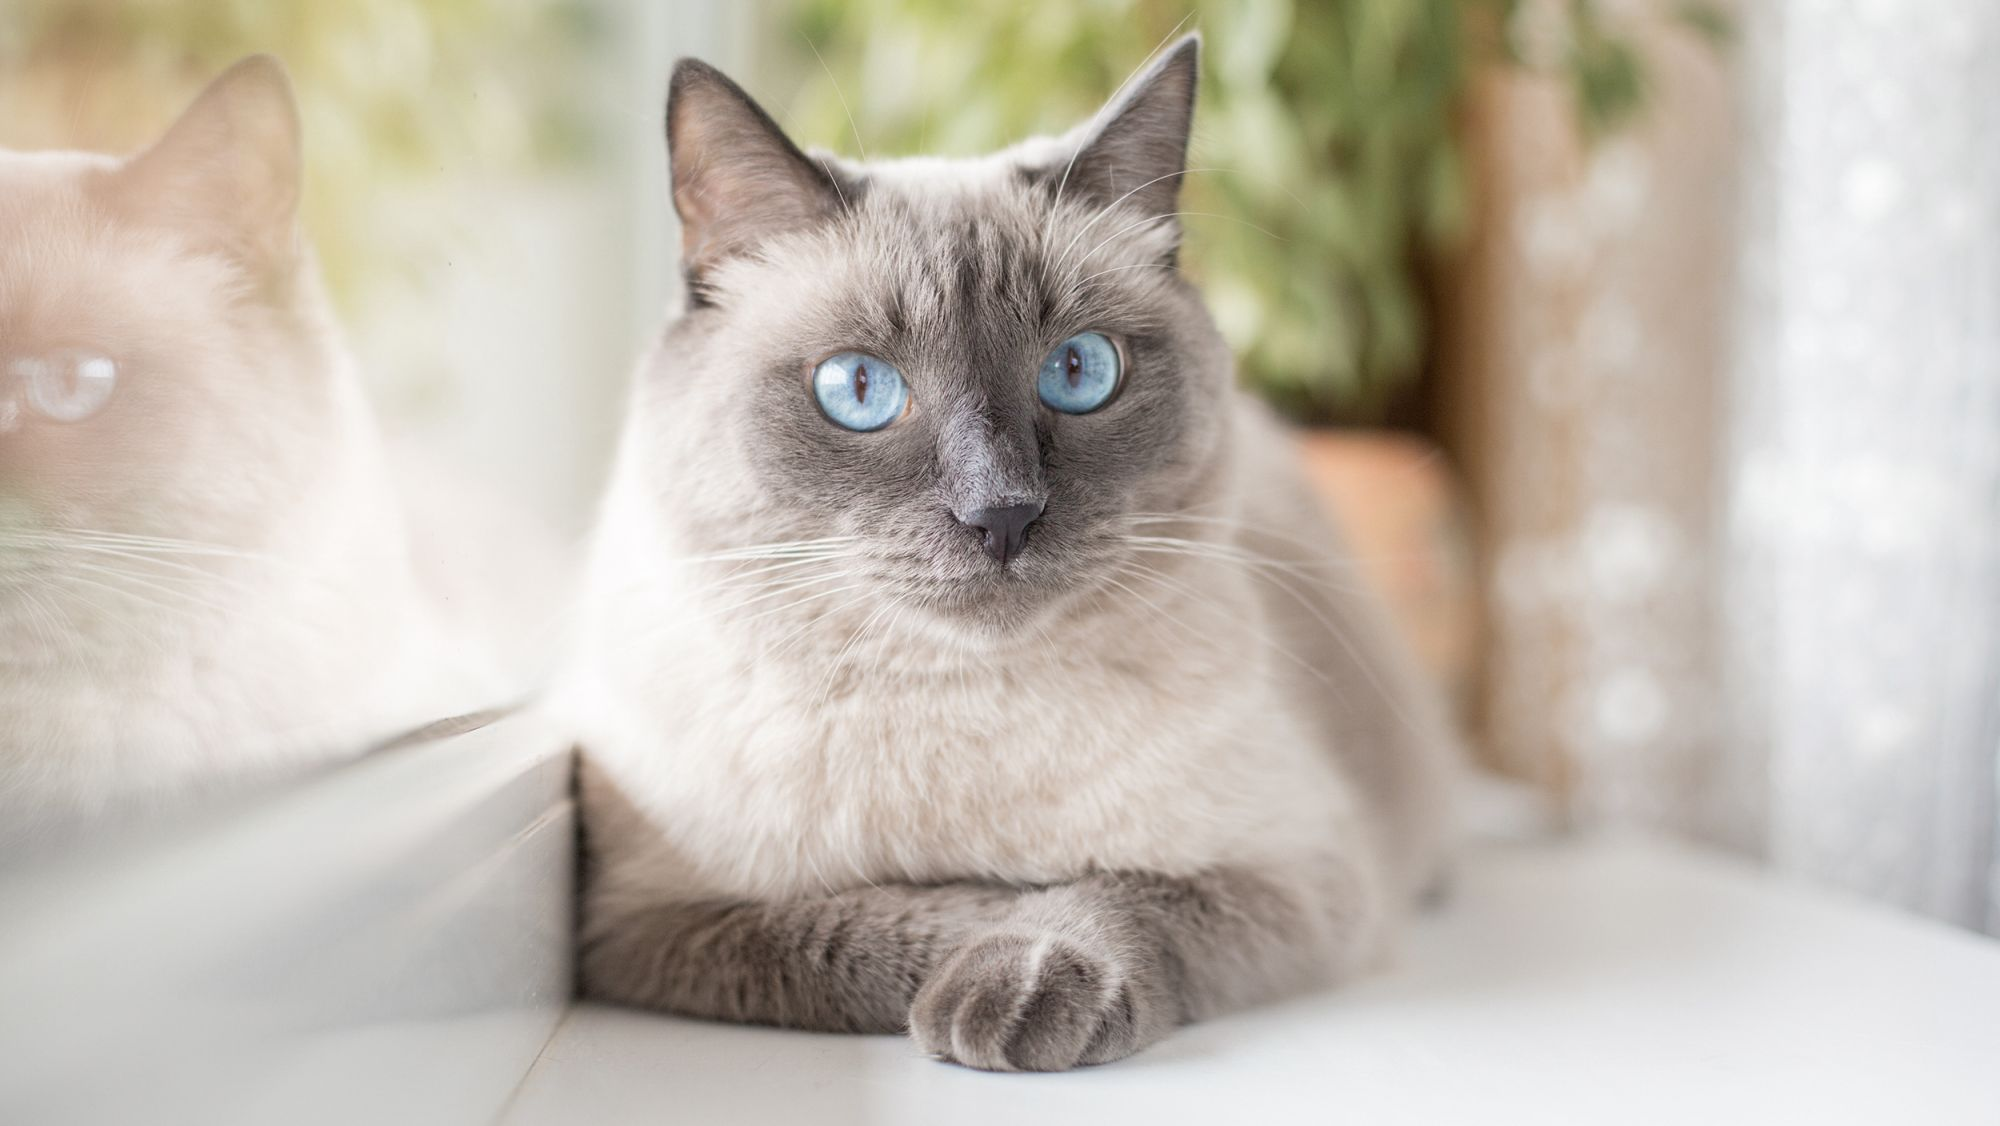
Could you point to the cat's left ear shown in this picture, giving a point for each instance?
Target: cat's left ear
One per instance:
(737, 179)
(1134, 152)
(227, 173)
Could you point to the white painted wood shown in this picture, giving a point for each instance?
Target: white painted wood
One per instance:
(1609, 983)
(386, 944)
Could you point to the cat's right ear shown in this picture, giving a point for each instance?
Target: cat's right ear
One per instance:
(227, 174)
(737, 178)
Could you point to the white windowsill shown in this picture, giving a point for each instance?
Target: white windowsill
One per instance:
(390, 944)
(384, 944)
(1613, 982)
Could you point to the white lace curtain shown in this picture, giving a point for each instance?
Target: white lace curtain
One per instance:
(1862, 574)
(1728, 387)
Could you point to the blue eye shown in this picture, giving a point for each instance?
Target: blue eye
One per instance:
(1082, 373)
(859, 392)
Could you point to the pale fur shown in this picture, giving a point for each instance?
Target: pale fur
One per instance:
(1207, 765)
(309, 634)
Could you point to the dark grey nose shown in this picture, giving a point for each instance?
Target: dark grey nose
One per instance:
(1005, 528)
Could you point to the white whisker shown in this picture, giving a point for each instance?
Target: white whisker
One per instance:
(1111, 101)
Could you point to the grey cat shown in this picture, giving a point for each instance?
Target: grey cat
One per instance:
(962, 652)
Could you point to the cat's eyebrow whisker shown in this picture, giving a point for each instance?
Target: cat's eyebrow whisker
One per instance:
(1122, 231)
(826, 168)
(1167, 266)
(838, 93)
(1111, 101)
(1070, 274)
(1062, 257)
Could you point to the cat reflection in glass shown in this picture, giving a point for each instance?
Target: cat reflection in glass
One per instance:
(961, 652)
(207, 578)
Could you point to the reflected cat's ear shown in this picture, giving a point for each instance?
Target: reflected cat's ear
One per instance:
(227, 173)
(737, 179)
(1134, 152)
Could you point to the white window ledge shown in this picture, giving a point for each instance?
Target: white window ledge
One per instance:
(390, 944)
(1597, 983)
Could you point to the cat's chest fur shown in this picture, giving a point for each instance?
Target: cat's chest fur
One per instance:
(717, 771)
(152, 706)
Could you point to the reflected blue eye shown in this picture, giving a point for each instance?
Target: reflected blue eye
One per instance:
(67, 387)
(1082, 373)
(859, 391)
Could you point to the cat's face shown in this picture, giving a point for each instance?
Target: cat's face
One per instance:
(980, 371)
(156, 376)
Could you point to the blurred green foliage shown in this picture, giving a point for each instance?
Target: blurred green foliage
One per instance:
(1325, 152)
(390, 91)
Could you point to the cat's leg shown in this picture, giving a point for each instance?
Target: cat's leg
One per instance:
(1095, 970)
(847, 962)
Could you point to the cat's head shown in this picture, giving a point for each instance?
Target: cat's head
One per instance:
(971, 375)
(163, 362)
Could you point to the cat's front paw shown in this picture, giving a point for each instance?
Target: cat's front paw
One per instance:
(1011, 1001)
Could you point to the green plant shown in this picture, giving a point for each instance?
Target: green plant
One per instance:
(1325, 142)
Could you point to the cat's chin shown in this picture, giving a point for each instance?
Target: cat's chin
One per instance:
(986, 611)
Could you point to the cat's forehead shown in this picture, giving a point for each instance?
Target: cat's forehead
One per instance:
(943, 198)
(28, 169)
(939, 177)
(41, 187)
(73, 273)
(949, 251)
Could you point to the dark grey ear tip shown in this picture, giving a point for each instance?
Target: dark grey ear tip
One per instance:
(1185, 57)
(691, 77)
(1179, 65)
(688, 69)
(690, 73)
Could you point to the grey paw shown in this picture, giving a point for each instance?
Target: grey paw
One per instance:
(1022, 1002)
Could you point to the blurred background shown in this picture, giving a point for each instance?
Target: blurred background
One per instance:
(1650, 348)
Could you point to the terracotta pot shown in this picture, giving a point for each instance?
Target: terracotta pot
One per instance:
(1400, 506)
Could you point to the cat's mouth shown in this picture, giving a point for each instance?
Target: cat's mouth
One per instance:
(986, 598)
